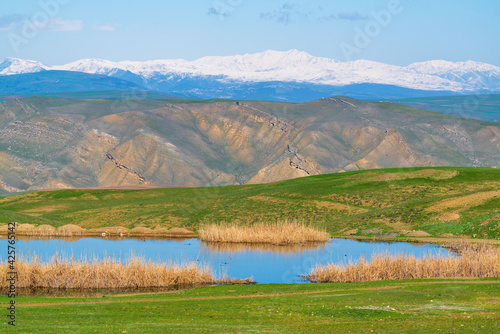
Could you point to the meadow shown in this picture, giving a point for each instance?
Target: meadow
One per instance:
(399, 203)
(410, 306)
(404, 203)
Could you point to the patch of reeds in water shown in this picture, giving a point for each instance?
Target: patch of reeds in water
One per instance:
(461, 247)
(482, 261)
(279, 233)
(108, 274)
(74, 231)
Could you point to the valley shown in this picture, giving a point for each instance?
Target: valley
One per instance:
(235, 166)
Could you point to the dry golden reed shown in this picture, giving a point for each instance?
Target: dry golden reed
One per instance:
(107, 274)
(74, 231)
(279, 233)
(464, 247)
(473, 262)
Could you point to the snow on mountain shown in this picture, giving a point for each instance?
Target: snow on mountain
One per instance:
(298, 66)
(472, 74)
(11, 66)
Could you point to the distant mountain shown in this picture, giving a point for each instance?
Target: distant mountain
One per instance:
(48, 143)
(11, 66)
(62, 81)
(288, 76)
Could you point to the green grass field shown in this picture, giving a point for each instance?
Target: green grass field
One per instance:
(409, 306)
(460, 201)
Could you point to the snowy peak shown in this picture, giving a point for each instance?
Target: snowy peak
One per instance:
(259, 61)
(471, 75)
(440, 67)
(93, 66)
(11, 66)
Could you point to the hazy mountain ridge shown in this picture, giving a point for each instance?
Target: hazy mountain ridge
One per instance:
(62, 81)
(65, 143)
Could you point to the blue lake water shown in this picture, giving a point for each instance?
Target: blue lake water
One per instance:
(266, 264)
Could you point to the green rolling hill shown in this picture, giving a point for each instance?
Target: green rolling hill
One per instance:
(439, 201)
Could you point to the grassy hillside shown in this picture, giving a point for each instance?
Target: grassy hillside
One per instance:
(460, 201)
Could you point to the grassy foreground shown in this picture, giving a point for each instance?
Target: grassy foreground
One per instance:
(408, 306)
(438, 201)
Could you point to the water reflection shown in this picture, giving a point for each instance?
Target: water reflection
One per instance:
(265, 263)
(76, 238)
(256, 247)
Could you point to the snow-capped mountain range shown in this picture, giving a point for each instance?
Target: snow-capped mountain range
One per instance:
(286, 67)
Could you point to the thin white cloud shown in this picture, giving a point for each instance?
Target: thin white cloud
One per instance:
(221, 12)
(352, 16)
(290, 13)
(104, 27)
(286, 14)
(57, 24)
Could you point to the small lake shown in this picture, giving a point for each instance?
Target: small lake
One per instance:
(266, 264)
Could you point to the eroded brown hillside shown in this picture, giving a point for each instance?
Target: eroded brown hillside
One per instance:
(60, 143)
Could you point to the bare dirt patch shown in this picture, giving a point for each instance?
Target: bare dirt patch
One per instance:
(71, 230)
(447, 235)
(434, 174)
(141, 230)
(464, 202)
(44, 209)
(450, 216)
(338, 207)
(419, 234)
(490, 219)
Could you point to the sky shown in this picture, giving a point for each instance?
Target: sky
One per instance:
(397, 32)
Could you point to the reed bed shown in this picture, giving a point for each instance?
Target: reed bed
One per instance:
(74, 231)
(279, 233)
(108, 274)
(482, 261)
(465, 247)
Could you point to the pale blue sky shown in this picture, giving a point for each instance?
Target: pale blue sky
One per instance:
(418, 30)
